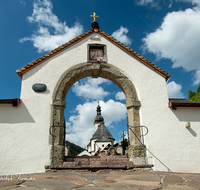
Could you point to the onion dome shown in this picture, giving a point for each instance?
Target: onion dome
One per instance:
(99, 118)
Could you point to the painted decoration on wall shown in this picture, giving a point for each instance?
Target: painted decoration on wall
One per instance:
(96, 54)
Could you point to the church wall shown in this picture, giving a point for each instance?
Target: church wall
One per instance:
(101, 145)
(93, 145)
(25, 131)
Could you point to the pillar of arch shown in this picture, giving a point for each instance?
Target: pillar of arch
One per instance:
(95, 70)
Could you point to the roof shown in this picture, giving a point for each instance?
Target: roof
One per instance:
(174, 103)
(103, 139)
(102, 131)
(14, 102)
(74, 41)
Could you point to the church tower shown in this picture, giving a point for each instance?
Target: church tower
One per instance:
(101, 137)
(98, 119)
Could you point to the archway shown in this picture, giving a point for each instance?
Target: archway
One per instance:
(94, 70)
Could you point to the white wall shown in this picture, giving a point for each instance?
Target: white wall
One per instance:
(175, 145)
(24, 144)
(101, 145)
(25, 140)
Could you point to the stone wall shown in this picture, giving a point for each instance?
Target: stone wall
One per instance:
(97, 162)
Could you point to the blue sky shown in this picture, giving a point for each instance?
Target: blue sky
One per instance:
(164, 32)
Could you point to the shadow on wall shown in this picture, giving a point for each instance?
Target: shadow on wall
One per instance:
(192, 132)
(19, 114)
(187, 114)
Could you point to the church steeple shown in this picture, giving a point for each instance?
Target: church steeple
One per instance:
(98, 109)
(98, 119)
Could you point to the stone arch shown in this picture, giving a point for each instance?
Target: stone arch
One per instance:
(94, 70)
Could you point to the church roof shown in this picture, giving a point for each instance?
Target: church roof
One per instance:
(74, 41)
(102, 131)
(103, 139)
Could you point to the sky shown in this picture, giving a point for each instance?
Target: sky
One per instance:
(165, 32)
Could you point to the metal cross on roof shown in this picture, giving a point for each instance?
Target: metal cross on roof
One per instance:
(94, 15)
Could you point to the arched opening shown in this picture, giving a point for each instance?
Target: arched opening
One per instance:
(81, 113)
(94, 70)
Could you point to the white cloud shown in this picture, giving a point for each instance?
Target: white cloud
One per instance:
(120, 96)
(154, 3)
(113, 111)
(80, 127)
(147, 2)
(121, 35)
(23, 2)
(89, 88)
(196, 79)
(51, 32)
(194, 2)
(177, 39)
(174, 90)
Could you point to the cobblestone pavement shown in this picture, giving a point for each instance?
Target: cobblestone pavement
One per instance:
(103, 179)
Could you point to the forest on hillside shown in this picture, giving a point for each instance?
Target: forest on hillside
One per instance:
(73, 149)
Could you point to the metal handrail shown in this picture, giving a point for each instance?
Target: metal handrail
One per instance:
(142, 135)
(144, 146)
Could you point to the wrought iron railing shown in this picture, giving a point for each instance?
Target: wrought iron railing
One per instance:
(142, 142)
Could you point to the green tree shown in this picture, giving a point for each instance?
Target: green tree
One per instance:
(191, 93)
(198, 89)
(194, 96)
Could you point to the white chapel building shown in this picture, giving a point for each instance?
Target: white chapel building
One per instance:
(31, 126)
(101, 137)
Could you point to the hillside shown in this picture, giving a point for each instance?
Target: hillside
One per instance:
(194, 96)
(73, 149)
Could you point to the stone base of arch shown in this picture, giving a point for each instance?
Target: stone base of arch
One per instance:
(58, 154)
(95, 70)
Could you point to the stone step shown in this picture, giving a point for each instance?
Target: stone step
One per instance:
(97, 167)
(97, 162)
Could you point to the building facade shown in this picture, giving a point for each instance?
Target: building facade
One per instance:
(28, 142)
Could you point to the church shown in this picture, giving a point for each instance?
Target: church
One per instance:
(32, 132)
(101, 137)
